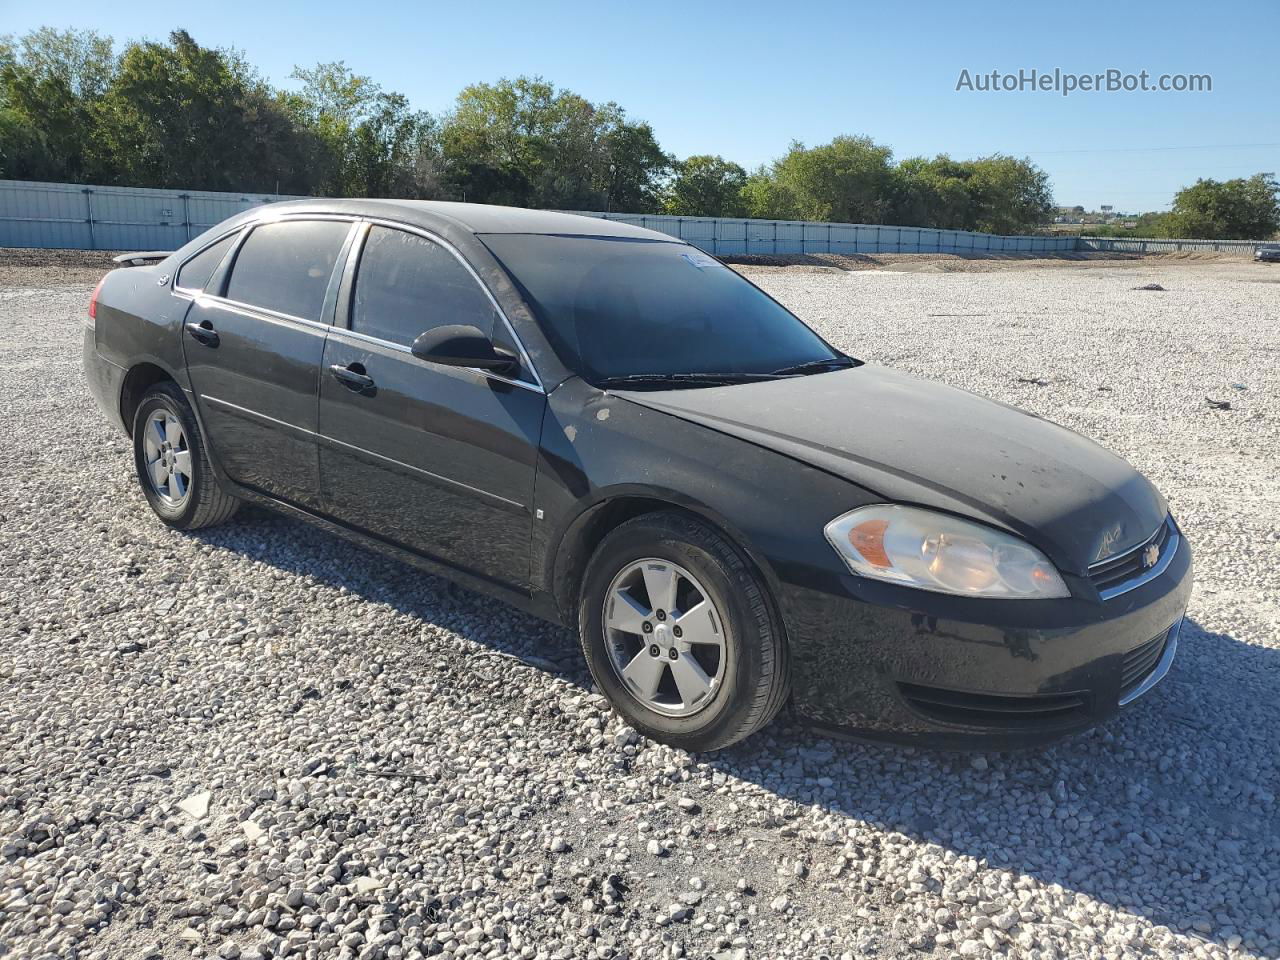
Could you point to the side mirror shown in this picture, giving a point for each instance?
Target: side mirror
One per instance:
(462, 345)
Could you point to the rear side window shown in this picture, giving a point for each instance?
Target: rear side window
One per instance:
(286, 266)
(195, 273)
(406, 285)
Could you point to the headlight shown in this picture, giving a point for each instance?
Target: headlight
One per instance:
(934, 551)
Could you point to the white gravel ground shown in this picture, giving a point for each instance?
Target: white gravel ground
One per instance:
(256, 743)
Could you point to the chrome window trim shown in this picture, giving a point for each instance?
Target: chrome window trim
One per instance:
(190, 293)
(525, 361)
(262, 313)
(274, 315)
(249, 226)
(343, 332)
(1161, 668)
(1170, 548)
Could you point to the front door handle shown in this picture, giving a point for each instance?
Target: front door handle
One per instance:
(353, 377)
(203, 332)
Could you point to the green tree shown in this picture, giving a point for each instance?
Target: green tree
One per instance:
(83, 60)
(847, 180)
(1240, 209)
(176, 114)
(181, 115)
(1009, 195)
(766, 197)
(637, 166)
(498, 138)
(996, 194)
(375, 145)
(50, 84)
(524, 142)
(707, 186)
(932, 193)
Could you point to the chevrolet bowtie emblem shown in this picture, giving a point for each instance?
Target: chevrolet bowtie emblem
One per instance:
(1150, 555)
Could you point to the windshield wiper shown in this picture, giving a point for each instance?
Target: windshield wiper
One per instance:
(713, 379)
(836, 363)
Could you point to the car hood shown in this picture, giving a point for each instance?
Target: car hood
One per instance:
(910, 440)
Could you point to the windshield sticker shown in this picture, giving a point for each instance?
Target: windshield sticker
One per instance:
(699, 260)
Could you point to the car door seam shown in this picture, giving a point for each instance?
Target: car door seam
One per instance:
(254, 414)
(427, 473)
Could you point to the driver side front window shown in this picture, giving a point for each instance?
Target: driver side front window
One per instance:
(406, 285)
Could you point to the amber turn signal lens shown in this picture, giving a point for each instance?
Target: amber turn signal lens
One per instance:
(868, 539)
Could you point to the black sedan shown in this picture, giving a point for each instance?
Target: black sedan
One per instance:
(612, 430)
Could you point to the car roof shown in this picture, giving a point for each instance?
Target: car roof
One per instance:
(477, 218)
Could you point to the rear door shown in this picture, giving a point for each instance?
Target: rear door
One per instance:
(254, 340)
(437, 459)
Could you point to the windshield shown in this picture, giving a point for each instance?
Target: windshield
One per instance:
(619, 307)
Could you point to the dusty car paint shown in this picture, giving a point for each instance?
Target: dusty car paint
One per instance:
(505, 487)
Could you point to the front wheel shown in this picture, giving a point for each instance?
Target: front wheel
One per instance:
(173, 465)
(680, 634)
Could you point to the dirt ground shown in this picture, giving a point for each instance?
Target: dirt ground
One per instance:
(20, 266)
(993, 262)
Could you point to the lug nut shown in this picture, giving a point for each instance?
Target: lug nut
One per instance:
(677, 631)
(662, 614)
(647, 627)
(673, 654)
(654, 651)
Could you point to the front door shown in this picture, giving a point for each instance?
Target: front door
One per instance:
(253, 352)
(437, 459)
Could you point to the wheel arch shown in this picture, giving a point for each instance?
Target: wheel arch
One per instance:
(140, 378)
(595, 520)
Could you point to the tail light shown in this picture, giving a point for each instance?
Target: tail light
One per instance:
(93, 302)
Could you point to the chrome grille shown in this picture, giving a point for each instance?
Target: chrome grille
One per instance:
(1119, 573)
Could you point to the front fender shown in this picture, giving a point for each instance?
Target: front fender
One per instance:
(600, 449)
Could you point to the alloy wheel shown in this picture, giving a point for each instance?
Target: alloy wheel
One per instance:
(168, 457)
(666, 639)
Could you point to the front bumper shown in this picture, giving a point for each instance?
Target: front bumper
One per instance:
(885, 662)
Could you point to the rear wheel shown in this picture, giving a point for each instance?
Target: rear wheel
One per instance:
(172, 463)
(680, 634)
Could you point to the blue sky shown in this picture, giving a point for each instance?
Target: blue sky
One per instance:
(744, 79)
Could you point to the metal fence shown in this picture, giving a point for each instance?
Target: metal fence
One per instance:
(725, 235)
(132, 218)
(112, 218)
(1244, 248)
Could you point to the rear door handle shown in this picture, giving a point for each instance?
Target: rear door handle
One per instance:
(203, 332)
(353, 377)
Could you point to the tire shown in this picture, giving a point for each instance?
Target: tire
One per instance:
(190, 500)
(751, 679)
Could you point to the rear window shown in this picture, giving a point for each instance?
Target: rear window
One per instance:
(195, 273)
(286, 266)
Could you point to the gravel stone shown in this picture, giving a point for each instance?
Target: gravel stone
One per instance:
(388, 761)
